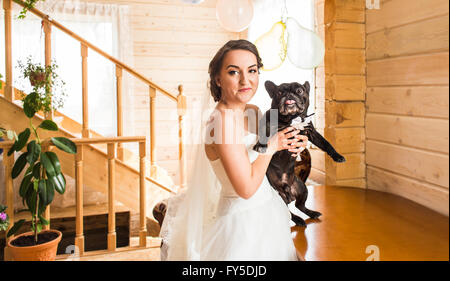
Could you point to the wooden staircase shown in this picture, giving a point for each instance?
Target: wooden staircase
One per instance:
(99, 159)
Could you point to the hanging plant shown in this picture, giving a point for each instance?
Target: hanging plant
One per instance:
(48, 89)
(28, 5)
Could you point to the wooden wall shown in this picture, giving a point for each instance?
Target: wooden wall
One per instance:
(340, 92)
(407, 146)
(173, 43)
(317, 156)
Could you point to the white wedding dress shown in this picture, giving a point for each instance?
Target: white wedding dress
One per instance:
(257, 228)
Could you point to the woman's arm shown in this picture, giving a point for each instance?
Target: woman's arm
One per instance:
(246, 177)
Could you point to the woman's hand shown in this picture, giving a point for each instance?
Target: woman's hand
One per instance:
(299, 145)
(281, 140)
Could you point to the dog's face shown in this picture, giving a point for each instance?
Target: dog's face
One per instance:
(291, 99)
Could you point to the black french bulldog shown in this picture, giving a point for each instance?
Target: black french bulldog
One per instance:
(291, 100)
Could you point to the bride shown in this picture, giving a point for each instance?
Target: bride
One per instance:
(229, 210)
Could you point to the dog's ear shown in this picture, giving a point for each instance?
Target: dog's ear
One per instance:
(306, 85)
(271, 88)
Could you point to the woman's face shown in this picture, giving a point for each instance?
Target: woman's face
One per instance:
(238, 77)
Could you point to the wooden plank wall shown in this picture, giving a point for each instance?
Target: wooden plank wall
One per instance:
(407, 145)
(317, 156)
(341, 89)
(173, 43)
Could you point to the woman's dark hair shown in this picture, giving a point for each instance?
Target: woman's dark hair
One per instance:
(216, 63)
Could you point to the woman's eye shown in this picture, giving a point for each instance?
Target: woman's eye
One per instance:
(253, 71)
(232, 72)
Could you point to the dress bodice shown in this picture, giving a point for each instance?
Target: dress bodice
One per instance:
(230, 200)
(227, 188)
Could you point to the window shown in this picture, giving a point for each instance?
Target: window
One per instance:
(266, 14)
(96, 23)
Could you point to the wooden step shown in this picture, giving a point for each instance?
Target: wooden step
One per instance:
(132, 253)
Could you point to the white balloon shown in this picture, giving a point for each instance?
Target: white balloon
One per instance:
(193, 1)
(234, 15)
(305, 49)
(272, 47)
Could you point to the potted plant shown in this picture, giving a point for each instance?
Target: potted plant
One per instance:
(43, 176)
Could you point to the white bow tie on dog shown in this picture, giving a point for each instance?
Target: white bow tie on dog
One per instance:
(300, 125)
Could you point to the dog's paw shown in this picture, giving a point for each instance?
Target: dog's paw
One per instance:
(314, 214)
(298, 221)
(339, 158)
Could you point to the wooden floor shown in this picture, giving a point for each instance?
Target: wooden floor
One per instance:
(355, 220)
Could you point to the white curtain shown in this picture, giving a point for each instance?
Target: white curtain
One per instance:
(104, 25)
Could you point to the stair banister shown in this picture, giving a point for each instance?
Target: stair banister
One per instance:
(8, 56)
(47, 22)
(142, 197)
(49, 115)
(84, 90)
(152, 96)
(119, 110)
(79, 231)
(181, 110)
(112, 237)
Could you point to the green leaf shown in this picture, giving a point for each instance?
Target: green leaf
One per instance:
(23, 138)
(46, 192)
(15, 228)
(42, 207)
(48, 165)
(35, 185)
(26, 183)
(28, 109)
(34, 149)
(39, 227)
(37, 170)
(49, 125)
(20, 143)
(43, 220)
(29, 169)
(65, 144)
(59, 183)
(11, 150)
(55, 161)
(28, 103)
(31, 200)
(19, 165)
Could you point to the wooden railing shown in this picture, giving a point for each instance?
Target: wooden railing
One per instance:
(85, 46)
(81, 143)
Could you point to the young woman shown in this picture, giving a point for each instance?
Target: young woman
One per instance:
(230, 211)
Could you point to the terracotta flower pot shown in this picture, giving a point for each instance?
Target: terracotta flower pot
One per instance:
(37, 77)
(41, 252)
